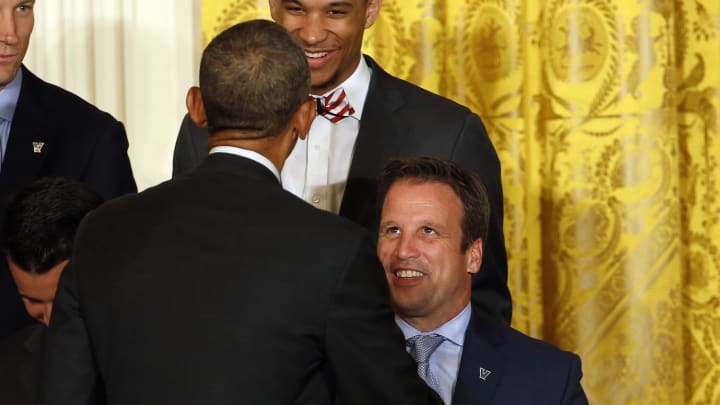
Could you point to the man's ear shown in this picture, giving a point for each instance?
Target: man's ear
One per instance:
(474, 256)
(196, 106)
(372, 9)
(273, 9)
(304, 117)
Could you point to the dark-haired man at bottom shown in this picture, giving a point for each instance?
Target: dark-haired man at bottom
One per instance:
(38, 232)
(219, 287)
(434, 223)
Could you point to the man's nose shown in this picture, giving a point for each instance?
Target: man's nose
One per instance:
(46, 312)
(35, 310)
(313, 31)
(8, 31)
(406, 247)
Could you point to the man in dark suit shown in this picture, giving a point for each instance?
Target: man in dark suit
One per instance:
(433, 223)
(38, 235)
(220, 287)
(47, 131)
(335, 169)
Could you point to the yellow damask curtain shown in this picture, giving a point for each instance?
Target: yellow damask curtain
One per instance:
(605, 116)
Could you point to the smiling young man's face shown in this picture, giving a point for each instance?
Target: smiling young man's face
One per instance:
(16, 25)
(330, 32)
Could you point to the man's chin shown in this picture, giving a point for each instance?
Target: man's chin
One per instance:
(6, 76)
(408, 308)
(323, 85)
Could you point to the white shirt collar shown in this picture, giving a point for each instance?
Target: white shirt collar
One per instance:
(250, 154)
(356, 87)
(453, 330)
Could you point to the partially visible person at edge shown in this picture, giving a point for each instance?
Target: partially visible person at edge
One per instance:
(431, 242)
(48, 131)
(38, 234)
(220, 287)
(366, 118)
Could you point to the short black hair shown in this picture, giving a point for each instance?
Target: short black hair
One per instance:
(253, 76)
(466, 184)
(41, 220)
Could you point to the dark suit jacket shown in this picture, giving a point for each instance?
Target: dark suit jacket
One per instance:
(221, 288)
(522, 370)
(80, 141)
(400, 119)
(20, 356)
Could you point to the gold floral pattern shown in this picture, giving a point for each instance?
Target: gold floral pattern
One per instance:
(605, 116)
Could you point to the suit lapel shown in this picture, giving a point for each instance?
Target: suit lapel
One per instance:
(482, 363)
(376, 144)
(30, 139)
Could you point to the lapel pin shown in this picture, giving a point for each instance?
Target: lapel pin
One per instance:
(484, 373)
(37, 147)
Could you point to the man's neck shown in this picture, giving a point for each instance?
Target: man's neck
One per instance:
(453, 329)
(325, 88)
(269, 147)
(426, 324)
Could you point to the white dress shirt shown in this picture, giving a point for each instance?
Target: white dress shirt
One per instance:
(247, 153)
(445, 360)
(318, 167)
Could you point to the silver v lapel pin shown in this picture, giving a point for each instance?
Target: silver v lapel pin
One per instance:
(484, 373)
(37, 147)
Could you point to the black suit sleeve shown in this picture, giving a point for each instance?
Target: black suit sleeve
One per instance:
(68, 373)
(475, 151)
(109, 171)
(191, 147)
(574, 393)
(365, 349)
(13, 316)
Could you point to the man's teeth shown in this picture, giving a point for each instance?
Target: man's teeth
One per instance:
(315, 54)
(408, 274)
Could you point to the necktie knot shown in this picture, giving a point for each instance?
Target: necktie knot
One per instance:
(423, 346)
(335, 106)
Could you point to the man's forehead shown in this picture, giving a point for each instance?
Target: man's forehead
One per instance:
(417, 191)
(418, 182)
(36, 287)
(323, 3)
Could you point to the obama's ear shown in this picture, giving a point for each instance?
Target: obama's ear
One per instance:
(196, 106)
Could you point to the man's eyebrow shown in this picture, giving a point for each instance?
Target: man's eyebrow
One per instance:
(333, 4)
(438, 226)
(28, 297)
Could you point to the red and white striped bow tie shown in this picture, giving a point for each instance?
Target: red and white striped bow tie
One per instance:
(335, 106)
